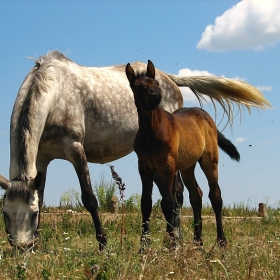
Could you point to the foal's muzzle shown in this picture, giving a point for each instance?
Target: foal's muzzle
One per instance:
(155, 98)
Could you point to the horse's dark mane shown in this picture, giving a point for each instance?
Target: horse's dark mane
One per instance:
(19, 190)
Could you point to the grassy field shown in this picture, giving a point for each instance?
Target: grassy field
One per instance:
(68, 249)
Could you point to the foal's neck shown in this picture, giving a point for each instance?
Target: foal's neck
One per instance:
(149, 121)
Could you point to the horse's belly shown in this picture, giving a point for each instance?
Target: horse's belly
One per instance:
(99, 153)
(112, 146)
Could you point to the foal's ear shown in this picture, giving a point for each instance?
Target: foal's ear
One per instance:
(130, 73)
(151, 73)
(4, 183)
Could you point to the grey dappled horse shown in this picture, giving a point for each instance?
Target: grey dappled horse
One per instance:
(84, 114)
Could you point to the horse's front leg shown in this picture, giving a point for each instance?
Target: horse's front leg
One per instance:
(41, 166)
(146, 204)
(79, 160)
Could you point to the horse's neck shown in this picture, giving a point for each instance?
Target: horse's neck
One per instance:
(26, 132)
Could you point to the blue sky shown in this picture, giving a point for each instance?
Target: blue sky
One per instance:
(235, 39)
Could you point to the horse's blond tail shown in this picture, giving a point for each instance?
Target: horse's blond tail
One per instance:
(227, 92)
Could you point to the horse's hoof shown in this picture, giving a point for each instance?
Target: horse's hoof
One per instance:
(102, 240)
(172, 240)
(144, 242)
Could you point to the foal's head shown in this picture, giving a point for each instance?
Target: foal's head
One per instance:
(146, 90)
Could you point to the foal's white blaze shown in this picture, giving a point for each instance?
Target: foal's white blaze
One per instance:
(22, 220)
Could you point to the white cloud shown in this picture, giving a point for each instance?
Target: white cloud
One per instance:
(240, 139)
(250, 24)
(264, 88)
(189, 72)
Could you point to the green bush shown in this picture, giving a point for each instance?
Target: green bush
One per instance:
(71, 199)
(105, 191)
(133, 203)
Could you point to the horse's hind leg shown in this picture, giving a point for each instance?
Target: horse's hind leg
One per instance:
(179, 198)
(211, 172)
(79, 160)
(195, 196)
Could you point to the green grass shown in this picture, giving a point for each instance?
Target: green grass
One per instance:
(68, 249)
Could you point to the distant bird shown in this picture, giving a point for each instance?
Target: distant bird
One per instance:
(250, 145)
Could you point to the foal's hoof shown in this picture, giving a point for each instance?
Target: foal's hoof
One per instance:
(222, 243)
(198, 242)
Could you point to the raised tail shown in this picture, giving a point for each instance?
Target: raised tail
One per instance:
(227, 92)
(228, 147)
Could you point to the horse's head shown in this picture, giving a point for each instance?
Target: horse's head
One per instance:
(146, 90)
(21, 211)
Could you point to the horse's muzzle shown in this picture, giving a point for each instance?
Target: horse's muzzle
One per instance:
(31, 245)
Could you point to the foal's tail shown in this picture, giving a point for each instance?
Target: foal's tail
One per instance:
(228, 147)
(227, 92)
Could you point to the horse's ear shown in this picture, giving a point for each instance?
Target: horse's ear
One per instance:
(4, 183)
(151, 72)
(130, 73)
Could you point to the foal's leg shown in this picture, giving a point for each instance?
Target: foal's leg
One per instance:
(171, 207)
(178, 189)
(78, 159)
(146, 204)
(211, 172)
(195, 196)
